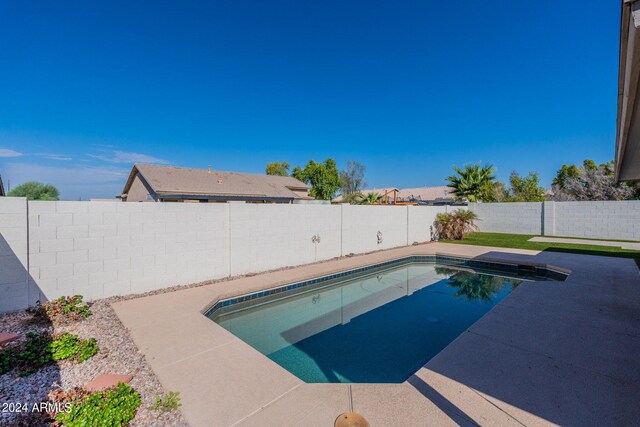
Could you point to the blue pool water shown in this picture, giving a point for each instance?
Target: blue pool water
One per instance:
(378, 327)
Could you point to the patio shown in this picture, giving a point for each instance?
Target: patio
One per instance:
(550, 353)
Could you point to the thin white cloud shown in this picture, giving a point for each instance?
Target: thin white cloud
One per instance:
(117, 156)
(54, 156)
(64, 175)
(75, 181)
(6, 152)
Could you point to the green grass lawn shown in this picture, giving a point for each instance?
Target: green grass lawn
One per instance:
(520, 241)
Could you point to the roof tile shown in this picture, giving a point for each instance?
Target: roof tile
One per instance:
(175, 180)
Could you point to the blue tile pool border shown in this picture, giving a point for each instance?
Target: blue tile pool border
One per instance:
(539, 271)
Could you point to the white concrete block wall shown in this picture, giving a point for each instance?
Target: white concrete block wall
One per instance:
(420, 219)
(517, 218)
(360, 226)
(618, 220)
(14, 276)
(105, 249)
(50, 249)
(269, 236)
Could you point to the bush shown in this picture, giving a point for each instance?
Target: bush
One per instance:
(113, 408)
(62, 397)
(7, 359)
(455, 225)
(69, 346)
(34, 354)
(39, 350)
(62, 310)
(35, 191)
(168, 402)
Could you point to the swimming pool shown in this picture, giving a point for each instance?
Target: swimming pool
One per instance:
(377, 324)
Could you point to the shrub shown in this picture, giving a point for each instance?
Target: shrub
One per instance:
(39, 350)
(86, 350)
(455, 225)
(61, 310)
(7, 359)
(114, 407)
(168, 402)
(61, 400)
(68, 346)
(35, 353)
(61, 397)
(35, 191)
(368, 199)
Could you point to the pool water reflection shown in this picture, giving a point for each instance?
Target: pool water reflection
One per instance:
(380, 327)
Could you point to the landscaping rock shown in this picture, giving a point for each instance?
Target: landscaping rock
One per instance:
(117, 353)
(105, 381)
(7, 338)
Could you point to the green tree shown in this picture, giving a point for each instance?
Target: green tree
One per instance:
(324, 178)
(473, 182)
(525, 189)
(352, 178)
(592, 182)
(607, 169)
(565, 172)
(35, 191)
(278, 168)
(499, 192)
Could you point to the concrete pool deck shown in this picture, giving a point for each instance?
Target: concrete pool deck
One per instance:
(612, 243)
(550, 353)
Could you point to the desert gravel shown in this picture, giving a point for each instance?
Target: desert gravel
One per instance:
(118, 354)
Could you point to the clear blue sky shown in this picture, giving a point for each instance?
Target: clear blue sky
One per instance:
(407, 88)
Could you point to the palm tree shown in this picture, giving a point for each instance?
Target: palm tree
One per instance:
(475, 286)
(455, 225)
(369, 199)
(473, 182)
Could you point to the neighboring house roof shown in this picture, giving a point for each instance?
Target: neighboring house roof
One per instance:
(627, 160)
(170, 180)
(425, 193)
(411, 194)
(1, 187)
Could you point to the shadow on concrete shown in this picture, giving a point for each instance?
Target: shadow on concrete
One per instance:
(444, 404)
(634, 255)
(564, 352)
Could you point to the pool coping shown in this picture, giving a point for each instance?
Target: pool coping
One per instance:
(223, 381)
(538, 270)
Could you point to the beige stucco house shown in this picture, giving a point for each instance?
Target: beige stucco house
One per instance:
(154, 183)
